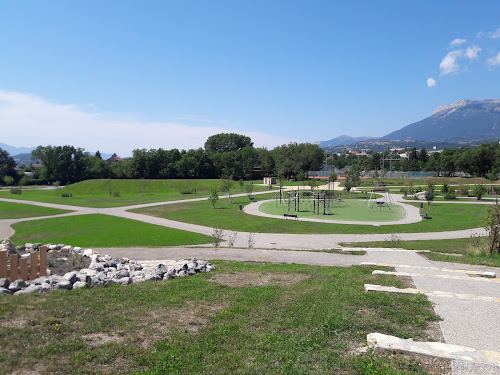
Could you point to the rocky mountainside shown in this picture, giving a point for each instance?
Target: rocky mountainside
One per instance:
(343, 140)
(463, 121)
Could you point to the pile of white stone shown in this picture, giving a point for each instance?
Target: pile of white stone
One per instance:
(420, 195)
(105, 270)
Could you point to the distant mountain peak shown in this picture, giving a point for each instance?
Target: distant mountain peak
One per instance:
(462, 103)
(463, 121)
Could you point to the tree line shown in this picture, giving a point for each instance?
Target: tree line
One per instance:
(226, 154)
(234, 155)
(480, 161)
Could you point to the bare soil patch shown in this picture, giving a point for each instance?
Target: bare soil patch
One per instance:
(100, 338)
(243, 279)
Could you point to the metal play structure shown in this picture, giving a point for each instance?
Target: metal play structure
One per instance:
(385, 201)
(296, 200)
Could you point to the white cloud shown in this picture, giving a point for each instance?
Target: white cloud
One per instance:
(472, 52)
(494, 34)
(431, 82)
(494, 60)
(28, 120)
(457, 42)
(449, 63)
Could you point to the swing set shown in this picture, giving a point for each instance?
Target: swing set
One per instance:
(385, 201)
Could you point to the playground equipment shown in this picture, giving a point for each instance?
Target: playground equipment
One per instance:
(296, 200)
(385, 201)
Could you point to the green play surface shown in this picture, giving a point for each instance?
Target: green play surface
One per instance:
(350, 210)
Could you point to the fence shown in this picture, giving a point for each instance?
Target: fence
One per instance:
(20, 269)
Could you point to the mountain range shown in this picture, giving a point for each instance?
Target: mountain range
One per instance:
(22, 155)
(463, 122)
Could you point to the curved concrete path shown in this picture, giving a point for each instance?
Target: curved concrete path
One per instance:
(261, 240)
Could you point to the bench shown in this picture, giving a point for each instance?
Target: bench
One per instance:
(425, 216)
(252, 199)
(290, 215)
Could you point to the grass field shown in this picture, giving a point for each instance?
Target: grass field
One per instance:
(303, 320)
(227, 216)
(102, 231)
(352, 210)
(16, 211)
(96, 193)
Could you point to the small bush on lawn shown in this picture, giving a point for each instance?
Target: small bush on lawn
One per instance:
(188, 191)
(463, 190)
(478, 191)
(116, 194)
(16, 190)
(450, 195)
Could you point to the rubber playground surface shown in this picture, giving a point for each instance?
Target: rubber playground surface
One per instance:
(348, 210)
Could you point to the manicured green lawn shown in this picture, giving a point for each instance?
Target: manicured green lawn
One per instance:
(227, 216)
(16, 211)
(102, 231)
(96, 193)
(352, 210)
(307, 320)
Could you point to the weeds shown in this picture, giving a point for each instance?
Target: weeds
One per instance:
(251, 240)
(475, 245)
(393, 240)
(218, 236)
(231, 238)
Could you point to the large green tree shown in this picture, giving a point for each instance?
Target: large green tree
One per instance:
(295, 159)
(7, 165)
(227, 142)
(66, 164)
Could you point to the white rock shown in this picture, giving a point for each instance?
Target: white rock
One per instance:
(88, 253)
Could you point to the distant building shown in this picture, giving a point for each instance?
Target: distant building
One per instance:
(113, 159)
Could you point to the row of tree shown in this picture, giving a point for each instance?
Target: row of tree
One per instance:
(223, 155)
(235, 155)
(481, 161)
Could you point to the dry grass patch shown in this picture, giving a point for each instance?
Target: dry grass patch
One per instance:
(101, 338)
(243, 279)
(155, 325)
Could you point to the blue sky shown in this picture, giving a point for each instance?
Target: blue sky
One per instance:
(117, 75)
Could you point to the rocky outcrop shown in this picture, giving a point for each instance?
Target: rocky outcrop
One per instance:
(102, 271)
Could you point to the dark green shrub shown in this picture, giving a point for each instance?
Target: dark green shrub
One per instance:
(478, 191)
(450, 195)
(116, 194)
(16, 190)
(463, 190)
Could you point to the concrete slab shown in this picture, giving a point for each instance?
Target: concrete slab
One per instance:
(381, 342)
